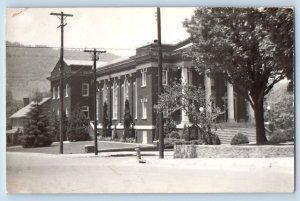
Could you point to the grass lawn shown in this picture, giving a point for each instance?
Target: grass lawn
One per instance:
(71, 147)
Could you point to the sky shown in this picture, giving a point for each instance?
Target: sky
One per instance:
(119, 30)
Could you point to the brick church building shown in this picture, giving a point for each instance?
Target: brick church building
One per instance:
(135, 78)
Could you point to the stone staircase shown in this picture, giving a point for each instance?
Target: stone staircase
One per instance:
(227, 133)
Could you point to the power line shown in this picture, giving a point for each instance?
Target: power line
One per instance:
(79, 48)
(72, 48)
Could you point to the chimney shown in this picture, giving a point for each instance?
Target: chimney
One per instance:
(25, 101)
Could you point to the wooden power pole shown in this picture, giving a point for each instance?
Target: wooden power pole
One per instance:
(95, 57)
(160, 114)
(61, 16)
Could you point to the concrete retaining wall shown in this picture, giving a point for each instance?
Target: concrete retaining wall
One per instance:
(229, 151)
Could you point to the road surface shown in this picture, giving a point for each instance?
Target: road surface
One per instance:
(85, 173)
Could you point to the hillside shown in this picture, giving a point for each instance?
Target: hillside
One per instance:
(28, 68)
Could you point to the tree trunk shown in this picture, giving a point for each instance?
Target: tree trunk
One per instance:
(260, 123)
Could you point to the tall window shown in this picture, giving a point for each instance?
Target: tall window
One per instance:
(144, 77)
(125, 90)
(67, 90)
(165, 77)
(85, 110)
(53, 93)
(104, 93)
(85, 89)
(97, 104)
(189, 78)
(58, 92)
(115, 101)
(136, 99)
(144, 108)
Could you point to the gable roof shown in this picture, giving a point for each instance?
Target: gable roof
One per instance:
(71, 62)
(23, 112)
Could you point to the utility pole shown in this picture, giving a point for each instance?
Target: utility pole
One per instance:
(95, 57)
(61, 16)
(160, 114)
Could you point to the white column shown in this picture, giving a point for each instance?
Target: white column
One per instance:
(184, 81)
(230, 106)
(207, 85)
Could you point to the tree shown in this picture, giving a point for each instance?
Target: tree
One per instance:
(127, 120)
(78, 126)
(191, 100)
(251, 47)
(12, 106)
(55, 126)
(105, 121)
(37, 131)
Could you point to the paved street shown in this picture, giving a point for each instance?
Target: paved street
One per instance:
(74, 147)
(85, 173)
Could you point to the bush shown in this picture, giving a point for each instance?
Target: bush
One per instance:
(210, 138)
(173, 134)
(279, 136)
(115, 133)
(29, 141)
(127, 140)
(239, 138)
(78, 126)
(169, 126)
(101, 138)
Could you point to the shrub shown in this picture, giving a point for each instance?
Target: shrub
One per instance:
(239, 138)
(197, 142)
(115, 134)
(279, 136)
(173, 135)
(105, 121)
(169, 126)
(101, 138)
(127, 121)
(78, 127)
(127, 140)
(210, 138)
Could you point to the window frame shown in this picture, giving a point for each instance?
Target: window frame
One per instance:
(144, 108)
(87, 90)
(54, 93)
(115, 101)
(144, 77)
(86, 110)
(67, 90)
(166, 77)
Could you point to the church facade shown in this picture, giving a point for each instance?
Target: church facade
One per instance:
(135, 79)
